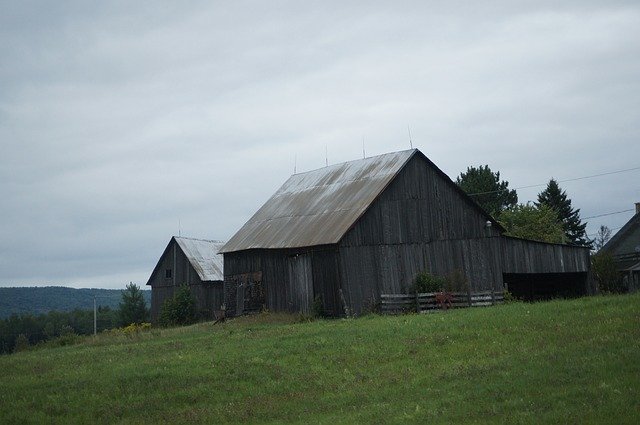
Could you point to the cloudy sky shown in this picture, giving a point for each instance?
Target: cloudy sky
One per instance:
(122, 121)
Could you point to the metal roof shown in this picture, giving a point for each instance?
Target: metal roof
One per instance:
(318, 207)
(203, 256)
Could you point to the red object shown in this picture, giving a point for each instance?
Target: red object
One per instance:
(444, 299)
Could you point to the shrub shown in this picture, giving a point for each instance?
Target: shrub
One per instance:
(180, 309)
(22, 343)
(318, 308)
(606, 273)
(427, 282)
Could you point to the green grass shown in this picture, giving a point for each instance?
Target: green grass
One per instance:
(574, 361)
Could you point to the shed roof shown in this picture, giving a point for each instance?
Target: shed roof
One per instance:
(203, 256)
(318, 207)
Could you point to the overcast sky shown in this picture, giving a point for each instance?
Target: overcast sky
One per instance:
(121, 120)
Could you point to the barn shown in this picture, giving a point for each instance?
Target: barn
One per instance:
(194, 262)
(345, 234)
(624, 246)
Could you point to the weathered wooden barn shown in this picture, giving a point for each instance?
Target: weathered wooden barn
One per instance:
(194, 262)
(625, 248)
(347, 233)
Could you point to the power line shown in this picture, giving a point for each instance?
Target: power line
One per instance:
(610, 228)
(559, 181)
(611, 213)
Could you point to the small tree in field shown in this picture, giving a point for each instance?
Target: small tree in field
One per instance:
(133, 308)
(179, 309)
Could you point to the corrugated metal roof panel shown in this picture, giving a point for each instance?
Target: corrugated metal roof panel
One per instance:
(318, 207)
(203, 256)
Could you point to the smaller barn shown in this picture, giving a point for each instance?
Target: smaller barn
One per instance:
(194, 262)
(624, 246)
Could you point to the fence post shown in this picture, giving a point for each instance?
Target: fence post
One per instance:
(493, 297)
(469, 295)
(417, 303)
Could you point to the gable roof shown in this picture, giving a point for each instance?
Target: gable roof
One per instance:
(621, 234)
(202, 255)
(318, 207)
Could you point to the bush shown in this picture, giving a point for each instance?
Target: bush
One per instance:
(22, 343)
(180, 309)
(606, 273)
(318, 308)
(427, 282)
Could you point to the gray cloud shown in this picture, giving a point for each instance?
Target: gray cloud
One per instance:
(121, 119)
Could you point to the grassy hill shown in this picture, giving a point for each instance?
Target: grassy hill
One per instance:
(38, 300)
(574, 361)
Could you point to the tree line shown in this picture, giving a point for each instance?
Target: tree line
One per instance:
(20, 330)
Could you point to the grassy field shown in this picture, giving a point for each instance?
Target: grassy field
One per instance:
(572, 361)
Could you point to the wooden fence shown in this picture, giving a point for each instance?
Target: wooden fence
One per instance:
(434, 301)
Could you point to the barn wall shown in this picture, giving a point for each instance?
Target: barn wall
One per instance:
(523, 256)
(420, 222)
(368, 271)
(418, 206)
(291, 278)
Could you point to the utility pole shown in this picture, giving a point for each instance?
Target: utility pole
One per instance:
(95, 317)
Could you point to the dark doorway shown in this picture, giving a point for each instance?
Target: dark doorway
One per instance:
(545, 286)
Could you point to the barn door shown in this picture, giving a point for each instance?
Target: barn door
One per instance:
(300, 294)
(244, 293)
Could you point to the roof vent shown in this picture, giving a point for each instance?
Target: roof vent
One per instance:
(637, 207)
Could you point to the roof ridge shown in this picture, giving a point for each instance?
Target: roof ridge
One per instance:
(354, 160)
(198, 239)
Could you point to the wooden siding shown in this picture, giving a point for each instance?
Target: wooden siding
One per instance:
(208, 295)
(369, 271)
(315, 270)
(420, 222)
(523, 256)
(419, 206)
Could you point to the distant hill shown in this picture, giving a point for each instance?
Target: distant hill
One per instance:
(37, 300)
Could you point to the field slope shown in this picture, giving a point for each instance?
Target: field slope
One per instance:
(572, 361)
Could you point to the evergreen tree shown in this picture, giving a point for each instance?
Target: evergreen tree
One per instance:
(556, 198)
(133, 309)
(484, 187)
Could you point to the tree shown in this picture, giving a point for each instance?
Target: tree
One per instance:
(602, 237)
(179, 309)
(538, 223)
(484, 187)
(569, 218)
(606, 273)
(133, 309)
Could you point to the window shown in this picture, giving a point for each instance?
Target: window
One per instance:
(167, 274)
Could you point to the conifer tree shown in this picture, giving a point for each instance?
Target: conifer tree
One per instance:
(484, 187)
(557, 199)
(133, 308)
